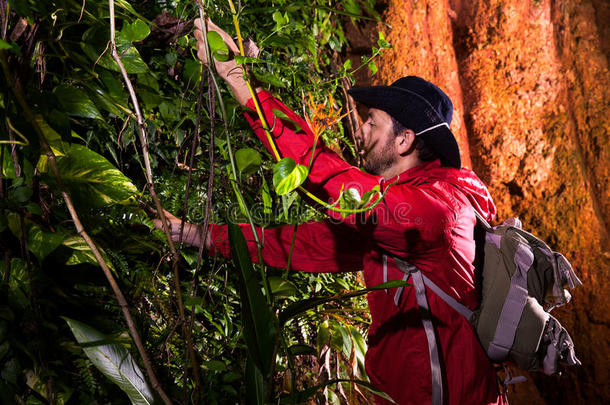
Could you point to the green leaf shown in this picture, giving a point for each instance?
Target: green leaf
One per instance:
(299, 307)
(248, 160)
(125, 5)
(269, 78)
(82, 253)
(214, 365)
(136, 31)
(76, 102)
(280, 19)
(192, 71)
(287, 175)
(10, 370)
(42, 243)
(114, 361)
(8, 167)
(281, 287)
(359, 346)
(218, 48)
(19, 195)
(21, 7)
(284, 117)
(130, 57)
(346, 340)
(299, 349)
(14, 223)
(247, 59)
(114, 86)
(372, 67)
(4, 45)
(267, 200)
(92, 180)
(350, 199)
(257, 318)
(369, 195)
(322, 337)
(352, 7)
(382, 43)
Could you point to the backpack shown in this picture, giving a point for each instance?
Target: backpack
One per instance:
(522, 281)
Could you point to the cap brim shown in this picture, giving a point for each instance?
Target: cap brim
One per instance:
(396, 101)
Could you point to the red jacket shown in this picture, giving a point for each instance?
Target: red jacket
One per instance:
(426, 219)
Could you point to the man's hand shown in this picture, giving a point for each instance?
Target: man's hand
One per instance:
(228, 70)
(191, 234)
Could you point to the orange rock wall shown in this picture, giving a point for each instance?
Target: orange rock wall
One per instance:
(531, 89)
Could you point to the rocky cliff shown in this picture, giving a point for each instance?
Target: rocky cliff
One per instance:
(531, 89)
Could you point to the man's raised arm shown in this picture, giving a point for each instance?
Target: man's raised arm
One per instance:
(329, 173)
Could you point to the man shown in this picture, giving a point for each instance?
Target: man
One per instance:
(426, 218)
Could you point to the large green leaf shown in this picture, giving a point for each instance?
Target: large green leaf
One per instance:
(299, 307)
(42, 243)
(92, 180)
(248, 160)
(76, 102)
(114, 361)
(287, 175)
(258, 324)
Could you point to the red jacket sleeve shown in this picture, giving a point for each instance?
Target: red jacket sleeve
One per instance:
(319, 246)
(329, 173)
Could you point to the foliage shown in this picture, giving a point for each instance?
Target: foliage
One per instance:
(58, 58)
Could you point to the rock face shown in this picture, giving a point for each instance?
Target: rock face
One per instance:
(530, 84)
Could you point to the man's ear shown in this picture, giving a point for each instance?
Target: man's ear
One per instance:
(405, 142)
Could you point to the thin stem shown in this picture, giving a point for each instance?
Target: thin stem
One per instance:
(194, 146)
(353, 118)
(150, 184)
(46, 149)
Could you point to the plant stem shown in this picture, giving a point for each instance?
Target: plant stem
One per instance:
(352, 117)
(46, 149)
(194, 146)
(150, 184)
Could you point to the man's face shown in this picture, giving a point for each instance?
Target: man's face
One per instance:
(377, 142)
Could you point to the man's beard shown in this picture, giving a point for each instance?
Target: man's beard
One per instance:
(377, 161)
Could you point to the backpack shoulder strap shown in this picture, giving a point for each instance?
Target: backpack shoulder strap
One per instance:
(436, 371)
(482, 220)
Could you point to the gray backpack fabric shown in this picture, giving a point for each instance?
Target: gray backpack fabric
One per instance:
(522, 280)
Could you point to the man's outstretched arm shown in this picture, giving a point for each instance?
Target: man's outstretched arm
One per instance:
(319, 247)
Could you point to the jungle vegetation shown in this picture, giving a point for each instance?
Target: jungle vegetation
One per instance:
(105, 113)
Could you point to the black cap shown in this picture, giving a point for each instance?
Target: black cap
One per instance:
(420, 106)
